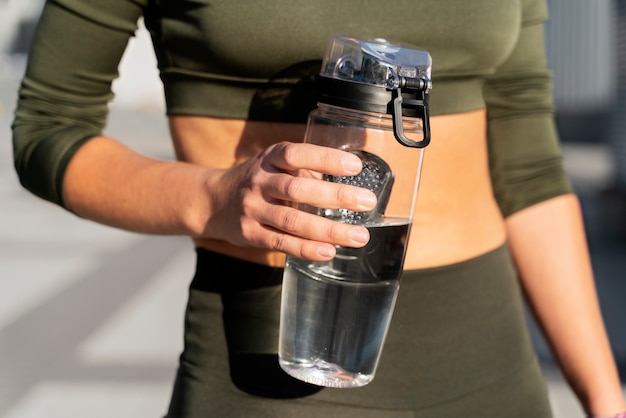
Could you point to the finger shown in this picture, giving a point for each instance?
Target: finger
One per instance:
(297, 246)
(287, 156)
(322, 194)
(305, 226)
(305, 249)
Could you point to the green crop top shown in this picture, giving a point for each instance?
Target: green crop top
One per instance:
(257, 61)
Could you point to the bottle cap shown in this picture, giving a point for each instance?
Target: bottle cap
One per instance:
(374, 61)
(375, 75)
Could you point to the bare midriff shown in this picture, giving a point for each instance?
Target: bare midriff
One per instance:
(456, 217)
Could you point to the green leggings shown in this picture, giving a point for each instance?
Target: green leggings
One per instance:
(458, 345)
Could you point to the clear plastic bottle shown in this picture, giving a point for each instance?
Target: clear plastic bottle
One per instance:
(335, 315)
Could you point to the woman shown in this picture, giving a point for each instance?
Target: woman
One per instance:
(238, 83)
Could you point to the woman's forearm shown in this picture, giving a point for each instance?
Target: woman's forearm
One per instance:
(112, 184)
(549, 246)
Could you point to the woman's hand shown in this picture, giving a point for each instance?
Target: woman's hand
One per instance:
(252, 204)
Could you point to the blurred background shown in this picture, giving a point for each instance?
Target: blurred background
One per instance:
(91, 317)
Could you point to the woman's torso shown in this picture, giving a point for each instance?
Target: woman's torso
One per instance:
(232, 73)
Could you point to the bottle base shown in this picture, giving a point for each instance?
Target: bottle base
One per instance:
(322, 373)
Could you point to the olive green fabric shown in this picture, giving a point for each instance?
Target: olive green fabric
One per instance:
(458, 345)
(258, 61)
(525, 159)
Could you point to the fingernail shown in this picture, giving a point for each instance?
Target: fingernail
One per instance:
(366, 199)
(326, 251)
(353, 164)
(359, 235)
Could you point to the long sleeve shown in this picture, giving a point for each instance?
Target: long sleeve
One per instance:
(64, 96)
(524, 151)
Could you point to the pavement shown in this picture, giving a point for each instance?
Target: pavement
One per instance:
(91, 317)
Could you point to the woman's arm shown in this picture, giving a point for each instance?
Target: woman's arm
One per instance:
(549, 246)
(543, 217)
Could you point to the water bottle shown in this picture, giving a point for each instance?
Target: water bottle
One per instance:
(335, 315)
